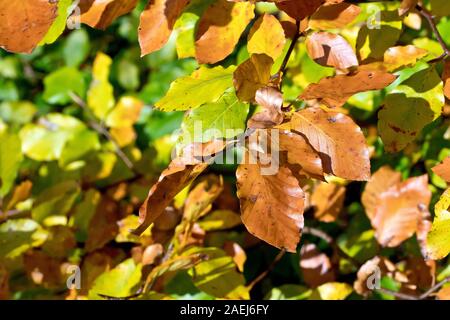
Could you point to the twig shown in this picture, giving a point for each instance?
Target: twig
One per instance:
(423, 296)
(399, 295)
(283, 66)
(103, 131)
(434, 289)
(328, 239)
(430, 18)
(264, 274)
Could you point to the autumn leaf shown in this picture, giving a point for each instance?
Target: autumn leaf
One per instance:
(399, 210)
(266, 36)
(328, 200)
(271, 205)
(437, 245)
(220, 27)
(101, 13)
(338, 140)
(443, 169)
(395, 58)
(316, 266)
(251, 75)
(383, 179)
(170, 183)
(271, 101)
(299, 9)
(332, 50)
(406, 6)
(157, 22)
(334, 16)
(25, 24)
(335, 91)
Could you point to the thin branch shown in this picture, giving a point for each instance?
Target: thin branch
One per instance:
(430, 18)
(399, 295)
(264, 274)
(283, 66)
(328, 239)
(4, 216)
(103, 131)
(434, 289)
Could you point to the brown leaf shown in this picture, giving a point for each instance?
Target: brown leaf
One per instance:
(406, 6)
(443, 169)
(24, 23)
(335, 91)
(156, 23)
(339, 141)
(271, 101)
(103, 226)
(420, 273)
(4, 283)
(381, 180)
(299, 9)
(220, 28)
(198, 152)
(444, 293)
(101, 13)
(271, 205)
(332, 50)
(251, 75)
(301, 153)
(200, 199)
(152, 253)
(399, 210)
(369, 272)
(235, 251)
(316, 266)
(328, 199)
(334, 16)
(42, 269)
(172, 180)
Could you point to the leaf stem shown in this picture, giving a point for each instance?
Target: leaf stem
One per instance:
(94, 124)
(264, 274)
(297, 35)
(430, 18)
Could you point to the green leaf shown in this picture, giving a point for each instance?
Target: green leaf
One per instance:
(10, 159)
(78, 146)
(19, 112)
(119, 282)
(18, 235)
(203, 86)
(59, 25)
(218, 275)
(438, 241)
(288, 292)
(220, 220)
(409, 108)
(440, 7)
(84, 212)
(382, 33)
(222, 119)
(101, 93)
(60, 83)
(46, 141)
(76, 48)
(186, 27)
(55, 201)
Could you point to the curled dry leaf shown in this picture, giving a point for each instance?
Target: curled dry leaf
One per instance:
(198, 152)
(220, 28)
(332, 50)
(301, 155)
(156, 23)
(381, 180)
(328, 200)
(335, 91)
(443, 169)
(266, 36)
(338, 140)
(152, 253)
(24, 24)
(101, 13)
(172, 180)
(334, 16)
(251, 75)
(370, 272)
(399, 211)
(271, 101)
(316, 266)
(271, 205)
